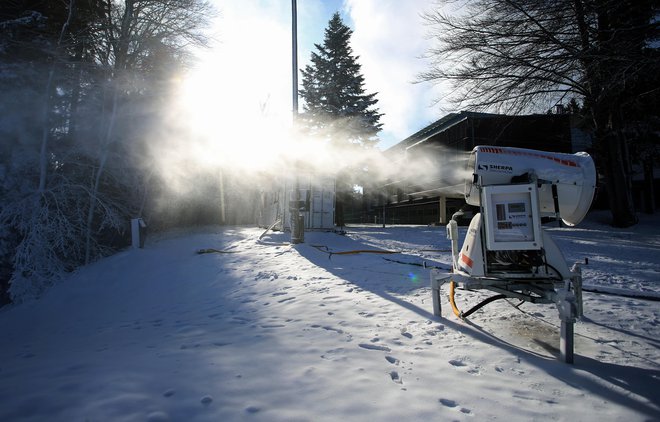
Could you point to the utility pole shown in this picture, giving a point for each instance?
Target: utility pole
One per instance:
(294, 57)
(297, 219)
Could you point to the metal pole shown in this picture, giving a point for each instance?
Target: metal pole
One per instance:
(294, 56)
(297, 223)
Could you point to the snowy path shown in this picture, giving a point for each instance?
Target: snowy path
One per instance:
(275, 332)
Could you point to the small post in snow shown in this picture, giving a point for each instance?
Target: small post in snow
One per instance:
(138, 233)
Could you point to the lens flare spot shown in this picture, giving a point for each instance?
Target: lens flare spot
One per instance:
(413, 277)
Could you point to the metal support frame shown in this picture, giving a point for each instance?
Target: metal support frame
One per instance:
(436, 283)
(567, 296)
(566, 346)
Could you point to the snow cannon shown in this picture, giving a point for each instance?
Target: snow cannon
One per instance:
(567, 182)
(506, 250)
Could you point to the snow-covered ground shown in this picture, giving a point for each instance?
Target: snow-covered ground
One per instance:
(273, 332)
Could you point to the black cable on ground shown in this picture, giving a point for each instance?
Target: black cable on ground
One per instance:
(417, 264)
(358, 251)
(211, 250)
(482, 304)
(325, 249)
(621, 294)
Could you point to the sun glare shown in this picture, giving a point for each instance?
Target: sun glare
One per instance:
(236, 107)
(232, 128)
(236, 103)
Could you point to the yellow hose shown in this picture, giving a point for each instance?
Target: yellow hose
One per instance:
(451, 300)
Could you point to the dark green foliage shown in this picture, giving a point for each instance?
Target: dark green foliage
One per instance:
(336, 106)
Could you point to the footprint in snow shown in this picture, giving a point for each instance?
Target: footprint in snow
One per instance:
(190, 346)
(392, 360)
(336, 330)
(369, 346)
(286, 300)
(240, 320)
(459, 363)
(448, 403)
(395, 377)
(453, 405)
(158, 417)
(338, 354)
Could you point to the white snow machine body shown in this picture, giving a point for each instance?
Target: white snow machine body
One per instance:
(506, 249)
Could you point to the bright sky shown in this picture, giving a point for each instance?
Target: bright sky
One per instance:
(248, 71)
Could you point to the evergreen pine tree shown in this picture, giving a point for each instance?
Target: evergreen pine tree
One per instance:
(336, 107)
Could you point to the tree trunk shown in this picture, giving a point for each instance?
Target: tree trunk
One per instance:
(45, 133)
(103, 159)
(223, 213)
(339, 207)
(617, 180)
(649, 188)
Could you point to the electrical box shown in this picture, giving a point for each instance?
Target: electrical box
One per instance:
(512, 217)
